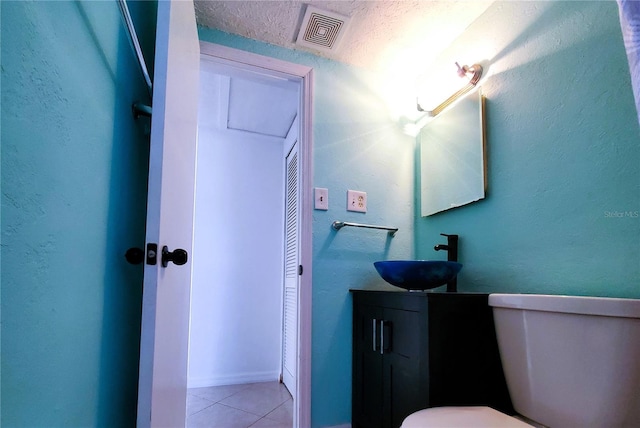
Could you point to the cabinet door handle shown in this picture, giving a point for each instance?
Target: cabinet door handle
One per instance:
(375, 338)
(385, 336)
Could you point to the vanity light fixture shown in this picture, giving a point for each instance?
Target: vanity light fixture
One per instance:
(473, 73)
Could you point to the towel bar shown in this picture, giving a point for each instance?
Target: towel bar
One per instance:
(337, 225)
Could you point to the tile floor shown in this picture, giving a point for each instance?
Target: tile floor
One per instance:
(255, 405)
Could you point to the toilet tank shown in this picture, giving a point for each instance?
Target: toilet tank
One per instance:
(571, 361)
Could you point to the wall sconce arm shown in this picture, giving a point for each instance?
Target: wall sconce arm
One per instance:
(475, 74)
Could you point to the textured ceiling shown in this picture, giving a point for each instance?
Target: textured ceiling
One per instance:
(382, 36)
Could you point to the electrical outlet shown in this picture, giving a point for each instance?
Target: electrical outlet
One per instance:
(321, 197)
(356, 201)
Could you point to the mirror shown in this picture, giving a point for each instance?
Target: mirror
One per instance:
(452, 157)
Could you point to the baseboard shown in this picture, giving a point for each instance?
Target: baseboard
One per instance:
(202, 382)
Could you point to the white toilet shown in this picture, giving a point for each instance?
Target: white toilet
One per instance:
(569, 362)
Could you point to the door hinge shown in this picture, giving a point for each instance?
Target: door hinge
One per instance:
(299, 269)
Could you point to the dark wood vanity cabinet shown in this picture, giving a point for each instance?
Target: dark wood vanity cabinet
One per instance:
(417, 350)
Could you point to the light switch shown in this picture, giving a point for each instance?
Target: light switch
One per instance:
(321, 197)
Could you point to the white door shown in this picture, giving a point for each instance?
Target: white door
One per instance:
(291, 270)
(170, 205)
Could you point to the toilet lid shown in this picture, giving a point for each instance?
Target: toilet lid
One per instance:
(476, 417)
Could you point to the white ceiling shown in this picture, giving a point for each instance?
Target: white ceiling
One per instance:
(397, 39)
(383, 36)
(261, 107)
(241, 100)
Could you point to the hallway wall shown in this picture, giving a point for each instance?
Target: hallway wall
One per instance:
(236, 300)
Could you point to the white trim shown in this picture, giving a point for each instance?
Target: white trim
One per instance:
(231, 56)
(223, 102)
(306, 232)
(278, 68)
(239, 378)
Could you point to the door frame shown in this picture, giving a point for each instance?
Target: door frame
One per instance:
(279, 68)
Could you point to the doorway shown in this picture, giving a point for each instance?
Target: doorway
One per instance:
(238, 246)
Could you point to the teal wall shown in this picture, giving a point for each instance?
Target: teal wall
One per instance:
(562, 211)
(74, 167)
(563, 165)
(564, 162)
(356, 146)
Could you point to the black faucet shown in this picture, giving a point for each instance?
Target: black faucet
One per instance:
(451, 247)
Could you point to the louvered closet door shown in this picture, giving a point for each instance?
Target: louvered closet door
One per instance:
(291, 263)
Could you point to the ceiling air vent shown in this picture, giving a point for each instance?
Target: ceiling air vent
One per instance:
(321, 30)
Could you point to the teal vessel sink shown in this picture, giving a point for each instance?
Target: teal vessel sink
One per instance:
(417, 274)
